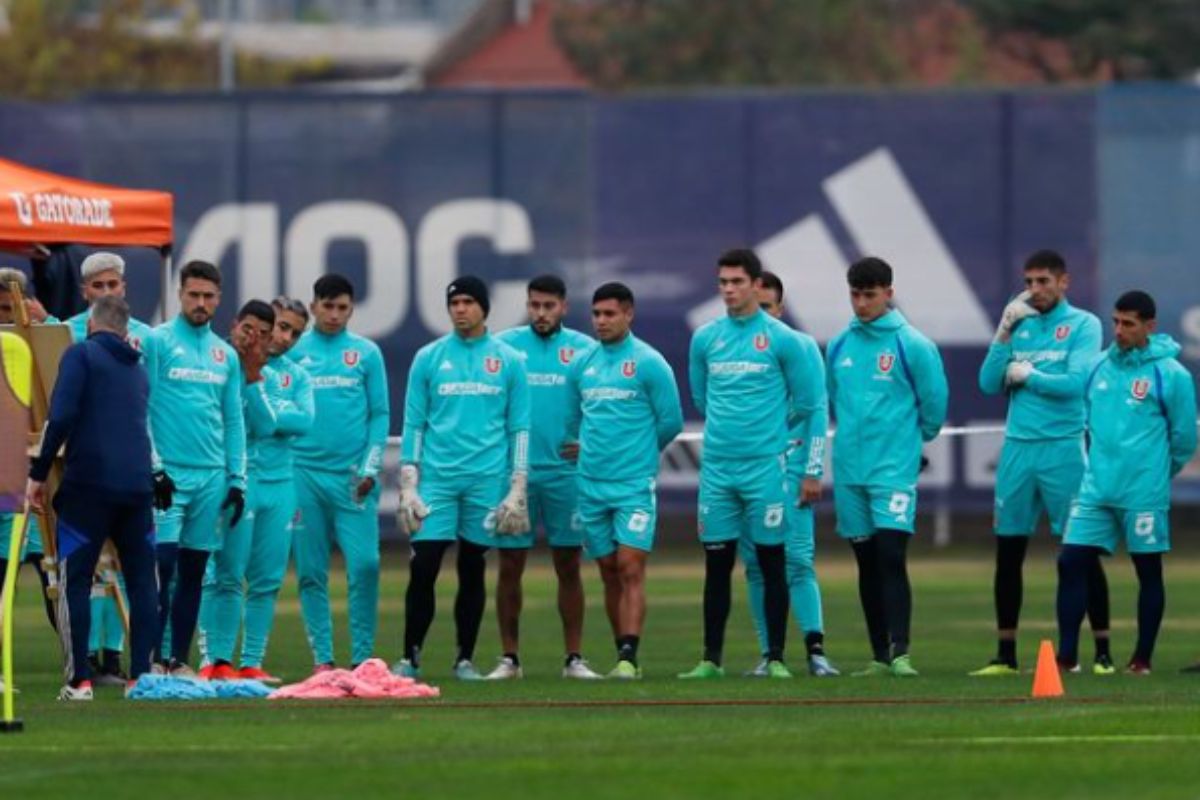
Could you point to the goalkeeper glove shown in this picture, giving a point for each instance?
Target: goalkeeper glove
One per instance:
(512, 515)
(1018, 373)
(1017, 310)
(164, 490)
(412, 508)
(235, 499)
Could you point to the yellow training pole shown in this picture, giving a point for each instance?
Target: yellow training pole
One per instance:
(20, 528)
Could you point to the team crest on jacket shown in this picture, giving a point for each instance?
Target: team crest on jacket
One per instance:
(761, 342)
(1139, 388)
(885, 362)
(492, 365)
(218, 354)
(1062, 332)
(285, 380)
(565, 354)
(628, 368)
(350, 357)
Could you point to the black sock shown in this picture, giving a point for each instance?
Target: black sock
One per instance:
(897, 592)
(1074, 565)
(513, 658)
(111, 661)
(1008, 591)
(1098, 608)
(772, 560)
(870, 594)
(572, 658)
(185, 604)
(627, 649)
(1006, 652)
(814, 643)
(166, 556)
(35, 559)
(719, 558)
(472, 597)
(420, 599)
(1152, 602)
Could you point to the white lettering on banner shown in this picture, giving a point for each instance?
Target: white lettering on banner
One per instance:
(736, 367)
(24, 210)
(545, 379)
(334, 382)
(63, 209)
(187, 375)
(254, 229)
(468, 389)
(606, 393)
(1189, 323)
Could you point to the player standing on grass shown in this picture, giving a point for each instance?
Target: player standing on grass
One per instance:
(1141, 421)
(805, 467)
(200, 439)
(624, 404)
(749, 374)
(464, 468)
(888, 393)
(1041, 356)
(337, 471)
(547, 349)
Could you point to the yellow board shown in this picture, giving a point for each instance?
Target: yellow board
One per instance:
(18, 380)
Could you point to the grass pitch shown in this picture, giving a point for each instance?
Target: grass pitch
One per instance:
(943, 734)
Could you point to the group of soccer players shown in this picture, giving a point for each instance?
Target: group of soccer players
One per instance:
(270, 444)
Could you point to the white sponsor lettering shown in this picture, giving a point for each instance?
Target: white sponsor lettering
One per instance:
(545, 379)
(736, 367)
(334, 382)
(609, 393)
(63, 209)
(467, 389)
(1039, 356)
(187, 375)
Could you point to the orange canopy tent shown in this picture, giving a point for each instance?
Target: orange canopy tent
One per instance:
(41, 208)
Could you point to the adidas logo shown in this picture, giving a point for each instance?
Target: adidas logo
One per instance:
(446, 365)
(846, 362)
(1022, 334)
(178, 351)
(590, 371)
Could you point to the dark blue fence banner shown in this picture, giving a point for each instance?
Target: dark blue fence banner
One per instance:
(403, 192)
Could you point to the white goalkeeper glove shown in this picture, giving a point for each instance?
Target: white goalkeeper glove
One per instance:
(1014, 312)
(412, 508)
(512, 515)
(1018, 373)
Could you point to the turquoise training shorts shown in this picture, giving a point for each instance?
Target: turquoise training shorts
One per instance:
(194, 519)
(1106, 526)
(463, 507)
(862, 510)
(553, 506)
(744, 497)
(617, 513)
(1035, 478)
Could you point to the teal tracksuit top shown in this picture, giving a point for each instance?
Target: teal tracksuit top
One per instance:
(466, 409)
(350, 398)
(196, 418)
(1141, 422)
(807, 434)
(888, 393)
(748, 376)
(291, 396)
(547, 359)
(139, 331)
(1062, 345)
(624, 403)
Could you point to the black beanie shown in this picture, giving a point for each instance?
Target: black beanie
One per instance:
(472, 287)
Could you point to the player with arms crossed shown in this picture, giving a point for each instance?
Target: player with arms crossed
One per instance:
(624, 405)
(888, 392)
(1141, 420)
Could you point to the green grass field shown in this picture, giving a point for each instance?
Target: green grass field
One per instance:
(943, 734)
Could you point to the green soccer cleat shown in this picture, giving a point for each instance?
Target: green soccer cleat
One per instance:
(995, 669)
(464, 670)
(625, 671)
(1104, 666)
(876, 669)
(705, 670)
(901, 667)
(778, 669)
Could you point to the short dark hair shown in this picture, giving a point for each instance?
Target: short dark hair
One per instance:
(548, 284)
(771, 281)
(742, 257)
(285, 303)
(259, 309)
(869, 273)
(1139, 303)
(200, 269)
(614, 291)
(1047, 259)
(111, 313)
(332, 285)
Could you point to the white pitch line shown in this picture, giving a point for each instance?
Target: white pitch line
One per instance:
(1116, 738)
(165, 749)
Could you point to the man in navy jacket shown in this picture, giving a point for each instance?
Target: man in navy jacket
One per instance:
(99, 410)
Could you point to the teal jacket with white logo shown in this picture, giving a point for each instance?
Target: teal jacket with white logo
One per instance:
(196, 419)
(350, 398)
(139, 331)
(1062, 345)
(748, 376)
(807, 434)
(547, 359)
(289, 391)
(624, 405)
(888, 393)
(466, 409)
(1141, 422)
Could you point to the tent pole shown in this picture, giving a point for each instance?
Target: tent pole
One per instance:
(165, 285)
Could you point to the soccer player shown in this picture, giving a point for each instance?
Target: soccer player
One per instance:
(199, 438)
(805, 467)
(337, 471)
(547, 348)
(1141, 421)
(749, 373)
(463, 468)
(624, 405)
(1043, 350)
(103, 275)
(888, 393)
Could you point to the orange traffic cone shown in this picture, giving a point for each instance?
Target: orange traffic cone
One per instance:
(1046, 680)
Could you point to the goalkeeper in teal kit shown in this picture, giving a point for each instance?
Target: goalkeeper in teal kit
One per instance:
(337, 471)
(463, 468)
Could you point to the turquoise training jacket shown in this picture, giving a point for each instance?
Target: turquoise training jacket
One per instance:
(1141, 423)
(888, 393)
(291, 398)
(139, 331)
(466, 409)
(1062, 345)
(350, 399)
(547, 359)
(807, 434)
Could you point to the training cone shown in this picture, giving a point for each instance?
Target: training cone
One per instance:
(1046, 680)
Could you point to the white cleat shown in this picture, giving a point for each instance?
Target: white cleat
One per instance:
(759, 671)
(180, 670)
(578, 669)
(820, 667)
(81, 692)
(506, 670)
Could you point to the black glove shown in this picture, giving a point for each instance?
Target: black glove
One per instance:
(164, 490)
(924, 463)
(235, 499)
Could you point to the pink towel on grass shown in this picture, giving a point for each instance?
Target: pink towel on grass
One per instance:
(371, 680)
